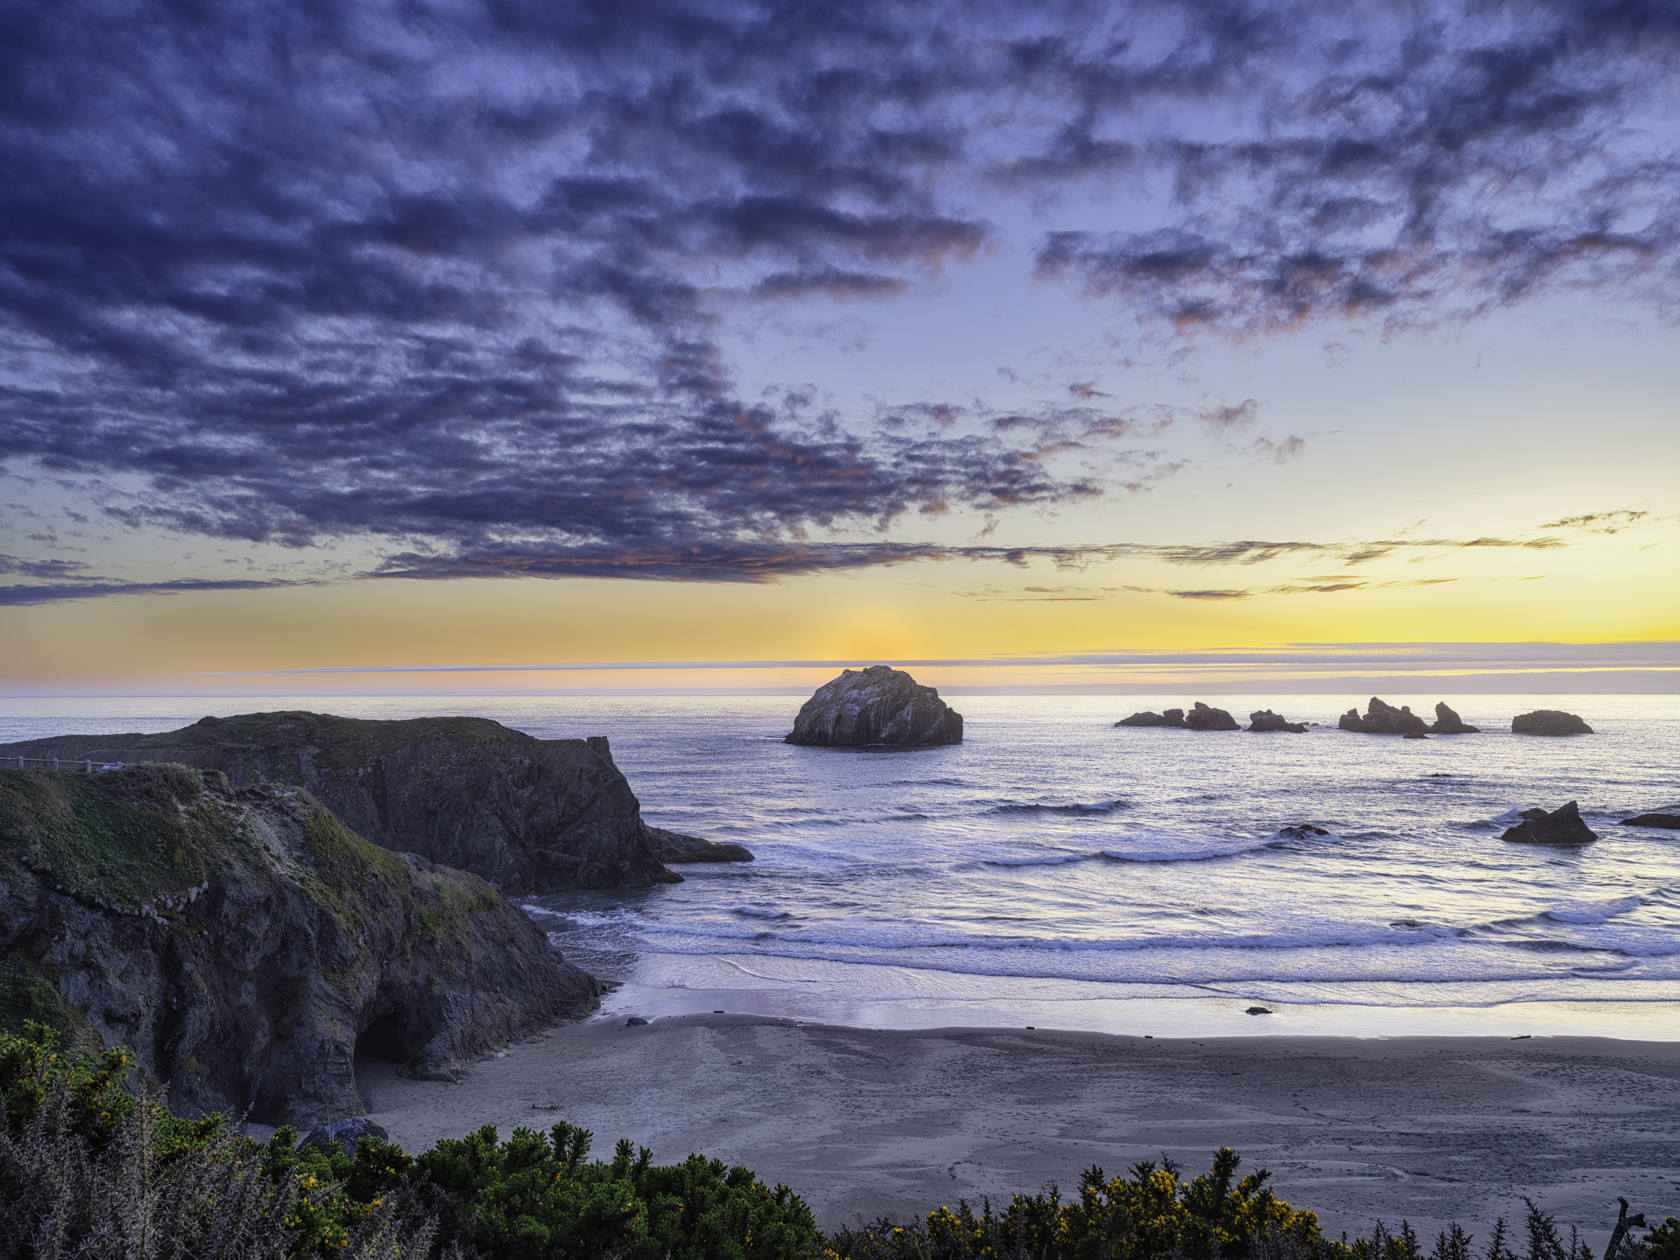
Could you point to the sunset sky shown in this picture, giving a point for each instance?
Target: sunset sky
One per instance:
(1060, 344)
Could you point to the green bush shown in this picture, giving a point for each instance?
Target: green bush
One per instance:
(88, 1169)
(532, 1197)
(1152, 1213)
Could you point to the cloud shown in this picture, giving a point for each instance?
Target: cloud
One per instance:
(1292, 658)
(1600, 522)
(16, 596)
(451, 281)
(1397, 168)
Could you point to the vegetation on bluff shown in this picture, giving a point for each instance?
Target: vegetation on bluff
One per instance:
(242, 941)
(89, 1170)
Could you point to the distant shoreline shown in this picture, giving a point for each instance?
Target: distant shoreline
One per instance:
(864, 1123)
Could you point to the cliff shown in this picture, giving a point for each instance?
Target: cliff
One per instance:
(527, 814)
(245, 943)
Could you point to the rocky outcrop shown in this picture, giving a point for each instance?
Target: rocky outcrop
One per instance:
(878, 705)
(1449, 723)
(527, 814)
(247, 945)
(1668, 822)
(1202, 718)
(1561, 826)
(1300, 831)
(1549, 722)
(1172, 717)
(1266, 720)
(1383, 719)
(673, 846)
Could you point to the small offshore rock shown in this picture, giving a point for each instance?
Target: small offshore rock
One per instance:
(1266, 720)
(673, 846)
(1549, 722)
(1202, 718)
(1257, 1010)
(1414, 735)
(635, 1021)
(1383, 719)
(1668, 822)
(1449, 723)
(878, 705)
(1172, 717)
(346, 1133)
(1561, 826)
(1300, 831)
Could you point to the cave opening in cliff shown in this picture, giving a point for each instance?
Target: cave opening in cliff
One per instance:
(382, 1039)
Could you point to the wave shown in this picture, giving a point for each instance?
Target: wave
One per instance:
(979, 964)
(758, 912)
(1075, 810)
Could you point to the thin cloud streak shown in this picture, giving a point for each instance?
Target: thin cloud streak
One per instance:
(1404, 657)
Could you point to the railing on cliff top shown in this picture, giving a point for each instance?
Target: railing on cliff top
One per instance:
(62, 763)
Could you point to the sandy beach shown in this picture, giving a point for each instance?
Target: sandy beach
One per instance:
(864, 1123)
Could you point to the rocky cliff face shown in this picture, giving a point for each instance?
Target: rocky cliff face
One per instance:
(527, 814)
(244, 943)
(878, 705)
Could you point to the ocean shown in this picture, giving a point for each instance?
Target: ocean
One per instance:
(1053, 870)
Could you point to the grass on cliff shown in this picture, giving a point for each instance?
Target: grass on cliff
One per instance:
(354, 871)
(120, 835)
(121, 838)
(338, 746)
(88, 1170)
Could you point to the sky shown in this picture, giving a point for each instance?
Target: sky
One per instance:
(719, 345)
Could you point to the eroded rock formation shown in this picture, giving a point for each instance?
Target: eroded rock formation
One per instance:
(1561, 826)
(1383, 719)
(527, 814)
(878, 705)
(1667, 822)
(1266, 720)
(1202, 718)
(1449, 723)
(245, 943)
(1172, 717)
(1549, 722)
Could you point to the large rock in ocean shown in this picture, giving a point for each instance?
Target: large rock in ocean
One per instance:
(527, 814)
(1549, 722)
(878, 705)
(1172, 717)
(247, 945)
(1202, 718)
(1266, 720)
(1449, 723)
(1383, 719)
(1561, 826)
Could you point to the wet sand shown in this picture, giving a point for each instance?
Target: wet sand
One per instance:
(864, 1123)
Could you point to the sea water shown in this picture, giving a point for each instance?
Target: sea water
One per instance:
(1054, 870)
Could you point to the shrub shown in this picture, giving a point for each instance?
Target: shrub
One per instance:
(533, 1196)
(1151, 1213)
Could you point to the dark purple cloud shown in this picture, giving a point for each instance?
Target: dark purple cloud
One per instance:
(452, 278)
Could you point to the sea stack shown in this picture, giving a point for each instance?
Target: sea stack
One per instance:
(1449, 723)
(878, 705)
(1384, 719)
(1560, 826)
(1266, 720)
(1549, 722)
(1202, 718)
